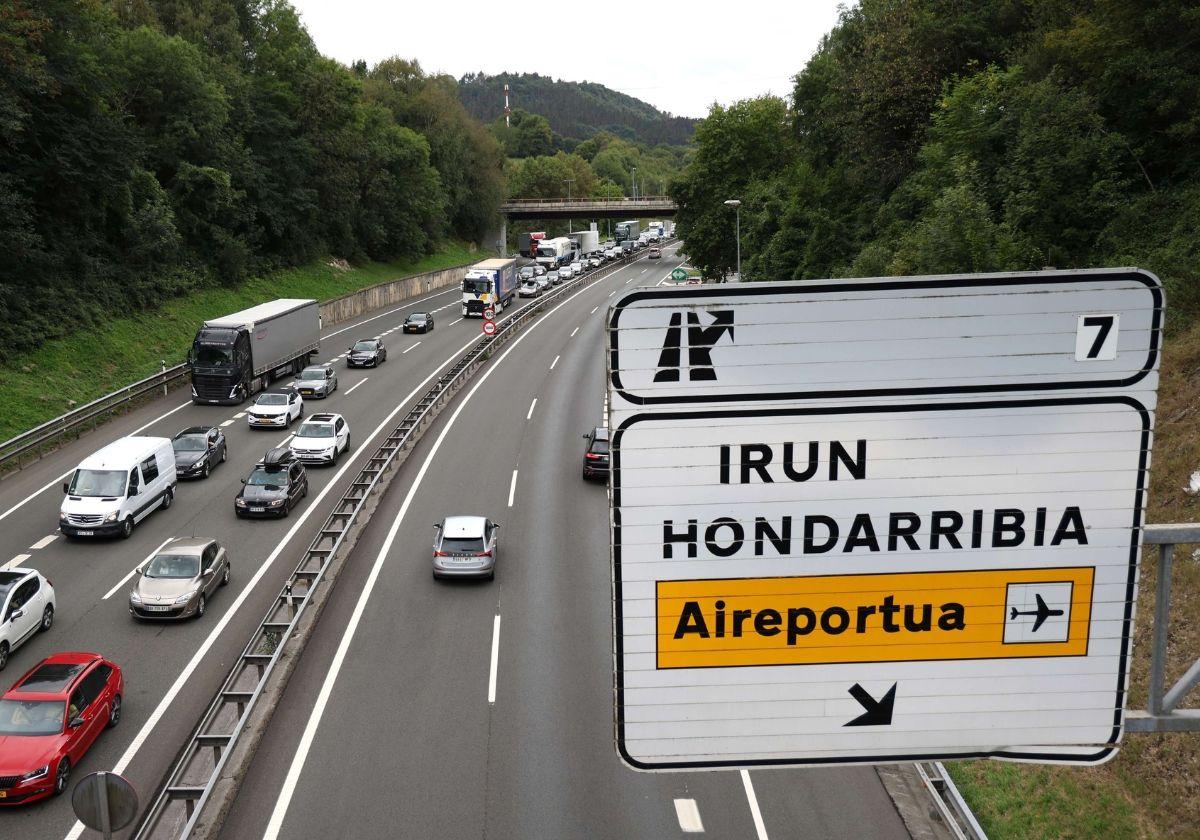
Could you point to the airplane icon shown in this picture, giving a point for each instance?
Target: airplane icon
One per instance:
(1042, 612)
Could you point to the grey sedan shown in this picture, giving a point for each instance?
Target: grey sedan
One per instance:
(465, 546)
(179, 580)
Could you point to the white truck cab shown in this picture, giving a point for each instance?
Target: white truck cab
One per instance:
(118, 487)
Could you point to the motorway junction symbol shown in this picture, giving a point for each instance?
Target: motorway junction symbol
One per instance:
(679, 275)
(879, 520)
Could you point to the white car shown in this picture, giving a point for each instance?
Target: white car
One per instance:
(27, 605)
(612, 253)
(321, 439)
(275, 409)
(543, 284)
(529, 288)
(554, 278)
(594, 262)
(566, 272)
(578, 268)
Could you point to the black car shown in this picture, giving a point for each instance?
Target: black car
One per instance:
(197, 450)
(369, 352)
(595, 458)
(421, 322)
(277, 483)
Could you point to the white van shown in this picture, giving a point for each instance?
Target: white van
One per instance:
(118, 487)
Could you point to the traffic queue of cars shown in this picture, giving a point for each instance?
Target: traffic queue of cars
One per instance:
(55, 711)
(53, 714)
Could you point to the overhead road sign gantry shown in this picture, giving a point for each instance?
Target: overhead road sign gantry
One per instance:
(879, 520)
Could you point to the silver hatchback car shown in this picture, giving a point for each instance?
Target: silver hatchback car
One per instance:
(179, 580)
(465, 546)
(317, 381)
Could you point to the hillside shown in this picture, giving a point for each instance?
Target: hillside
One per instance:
(575, 110)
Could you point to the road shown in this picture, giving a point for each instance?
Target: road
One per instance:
(173, 670)
(454, 710)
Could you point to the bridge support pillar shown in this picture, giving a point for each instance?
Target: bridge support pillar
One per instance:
(502, 244)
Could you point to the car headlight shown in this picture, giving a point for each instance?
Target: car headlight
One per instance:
(276, 503)
(135, 598)
(36, 774)
(183, 599)
(62, 517)
(112, 517)
(240, 502)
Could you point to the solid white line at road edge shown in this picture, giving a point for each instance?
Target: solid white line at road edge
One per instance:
(288, 789)
(122, 581)
(495, 661)
(202, 650)
(753, 800)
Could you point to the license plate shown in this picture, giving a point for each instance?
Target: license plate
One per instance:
(85, 533)
(150, 608)
(307, 392)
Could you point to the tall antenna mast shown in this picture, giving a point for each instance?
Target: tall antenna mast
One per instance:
(507, 110)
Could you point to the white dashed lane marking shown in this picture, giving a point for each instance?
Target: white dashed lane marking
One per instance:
(44, 541)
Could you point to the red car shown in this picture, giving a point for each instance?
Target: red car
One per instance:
(50, 718)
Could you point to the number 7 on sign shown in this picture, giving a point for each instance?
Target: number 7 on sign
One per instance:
(1096, 338)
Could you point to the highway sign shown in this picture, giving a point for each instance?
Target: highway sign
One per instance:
(679, 274)
(489, 327)
(872, 521)
(489, 314)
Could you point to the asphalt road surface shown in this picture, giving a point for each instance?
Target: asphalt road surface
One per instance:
(426, 709)
(173, 670)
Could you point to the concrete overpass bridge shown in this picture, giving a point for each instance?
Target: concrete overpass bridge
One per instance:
(643, 207)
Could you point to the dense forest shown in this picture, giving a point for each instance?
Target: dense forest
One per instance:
(930, 136)
(149, 148)
(575, 110)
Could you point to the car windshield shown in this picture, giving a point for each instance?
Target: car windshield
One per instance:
(267, 478)
(174, 566)
(32, 717)
(418, 316)
(461, 545)
(98, 483)
(365, 346)
(190, 443)
(272, 399)
(475, 286)
(313, 373)
(530, 283)
(209, 354)
(316, 430)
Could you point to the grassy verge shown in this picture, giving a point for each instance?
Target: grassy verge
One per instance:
(1150, 789)
(78, 368)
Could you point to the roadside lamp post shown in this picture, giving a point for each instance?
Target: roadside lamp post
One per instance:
(633, 180)
(737, 232)
(568, 182)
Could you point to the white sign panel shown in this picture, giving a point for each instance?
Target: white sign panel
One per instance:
(907, 573)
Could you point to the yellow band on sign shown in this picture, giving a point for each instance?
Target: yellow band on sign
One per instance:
(908, 617)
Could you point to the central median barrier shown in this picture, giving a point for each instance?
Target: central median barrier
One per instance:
(201, 786)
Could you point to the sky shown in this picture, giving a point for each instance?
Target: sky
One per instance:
(680, 57)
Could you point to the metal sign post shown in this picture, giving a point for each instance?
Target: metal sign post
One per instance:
(879, 520)
(104, 802)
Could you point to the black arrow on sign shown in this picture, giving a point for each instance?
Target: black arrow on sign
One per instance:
(879, 712)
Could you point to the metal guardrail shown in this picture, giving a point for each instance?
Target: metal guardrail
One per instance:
(200, 764)
(95, 412)
(1162, 713)
(954, 811)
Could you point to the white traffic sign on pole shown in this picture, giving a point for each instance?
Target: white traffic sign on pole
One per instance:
(489, 314)
(887, 520)
(489, 327)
